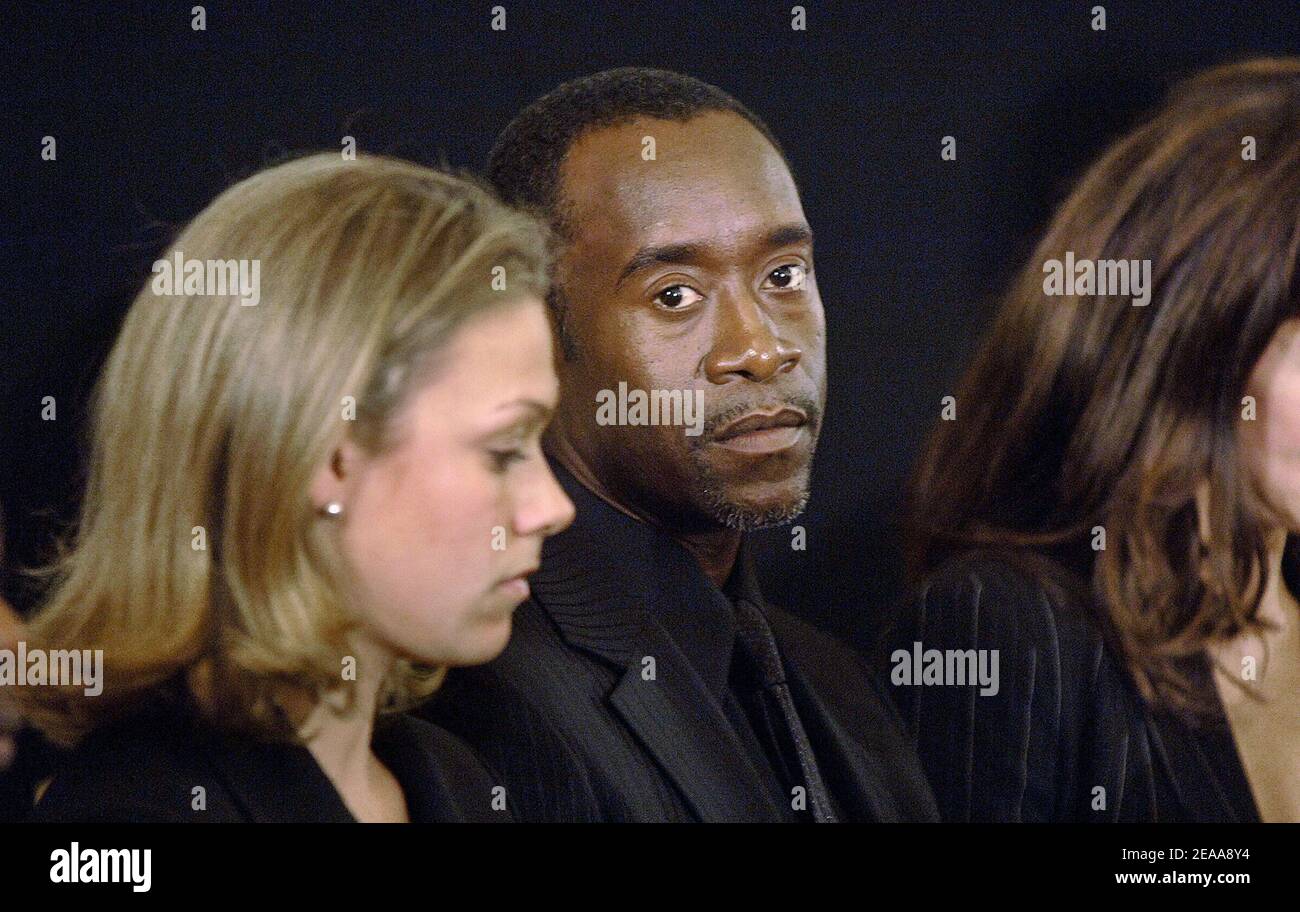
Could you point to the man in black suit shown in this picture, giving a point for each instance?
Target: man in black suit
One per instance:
(647, 679)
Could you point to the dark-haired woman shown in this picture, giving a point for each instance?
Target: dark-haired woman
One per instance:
(1109, 513)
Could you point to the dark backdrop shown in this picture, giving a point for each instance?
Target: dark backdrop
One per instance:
(152, 119)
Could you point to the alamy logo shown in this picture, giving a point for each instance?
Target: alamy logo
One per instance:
(637, 407)
(59, 668)
(78, 865)
(951, 667)
(179, 276)
(1098, 277)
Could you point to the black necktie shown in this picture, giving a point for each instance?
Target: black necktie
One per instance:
(757, 638)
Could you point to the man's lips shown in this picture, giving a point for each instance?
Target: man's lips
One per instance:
(764, 433)
(787, 417)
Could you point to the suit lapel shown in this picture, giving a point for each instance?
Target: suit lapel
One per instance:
(676, 717)
(605, 582)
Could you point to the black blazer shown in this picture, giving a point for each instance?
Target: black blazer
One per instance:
(1066, 719)
(147, 768)
(566, 722)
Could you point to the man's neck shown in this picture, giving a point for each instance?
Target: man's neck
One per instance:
(716, 552)
(714, 549)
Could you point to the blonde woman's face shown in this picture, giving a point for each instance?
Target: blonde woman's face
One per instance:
(440, 532)
(1270, 442)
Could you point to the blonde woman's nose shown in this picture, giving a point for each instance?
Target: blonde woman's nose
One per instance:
(547, 510)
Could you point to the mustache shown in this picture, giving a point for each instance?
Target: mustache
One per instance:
(806, 404)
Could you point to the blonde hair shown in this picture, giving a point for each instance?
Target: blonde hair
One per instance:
(210, 419)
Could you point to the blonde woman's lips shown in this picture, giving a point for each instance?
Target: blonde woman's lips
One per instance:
(516, 587)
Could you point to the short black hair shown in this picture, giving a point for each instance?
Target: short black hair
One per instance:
(524, 165)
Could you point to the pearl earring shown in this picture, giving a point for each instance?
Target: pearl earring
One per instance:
(334, 508)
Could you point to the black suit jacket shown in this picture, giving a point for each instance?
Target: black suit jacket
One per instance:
(575, 733)
(146, 769)
(1066, 719)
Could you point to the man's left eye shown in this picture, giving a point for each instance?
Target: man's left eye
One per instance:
(789, 276)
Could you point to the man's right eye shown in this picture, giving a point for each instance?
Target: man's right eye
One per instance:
(677, 297)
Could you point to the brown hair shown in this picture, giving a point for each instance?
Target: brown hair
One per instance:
(1084, 411)
(198, 564)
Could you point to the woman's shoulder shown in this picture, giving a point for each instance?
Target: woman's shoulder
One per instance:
(1011, 598)
(142, 768)
(174, 767)
(1023, 572)
(1049, 716)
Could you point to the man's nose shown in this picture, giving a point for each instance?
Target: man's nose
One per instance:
(747, 343)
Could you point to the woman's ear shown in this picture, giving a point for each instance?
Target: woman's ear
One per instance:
(336, 476)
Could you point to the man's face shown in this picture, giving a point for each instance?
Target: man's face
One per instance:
(692, 272)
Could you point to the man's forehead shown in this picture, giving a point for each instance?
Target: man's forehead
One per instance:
(713, 176)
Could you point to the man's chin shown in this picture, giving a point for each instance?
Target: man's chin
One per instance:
(748, 510)
(765, 492)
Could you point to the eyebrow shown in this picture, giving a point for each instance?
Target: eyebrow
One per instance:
(540, 410)
(688, 252)
(535, 414)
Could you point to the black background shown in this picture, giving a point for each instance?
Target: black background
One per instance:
(152, 119)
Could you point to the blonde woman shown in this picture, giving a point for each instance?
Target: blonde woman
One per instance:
(306, 499)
